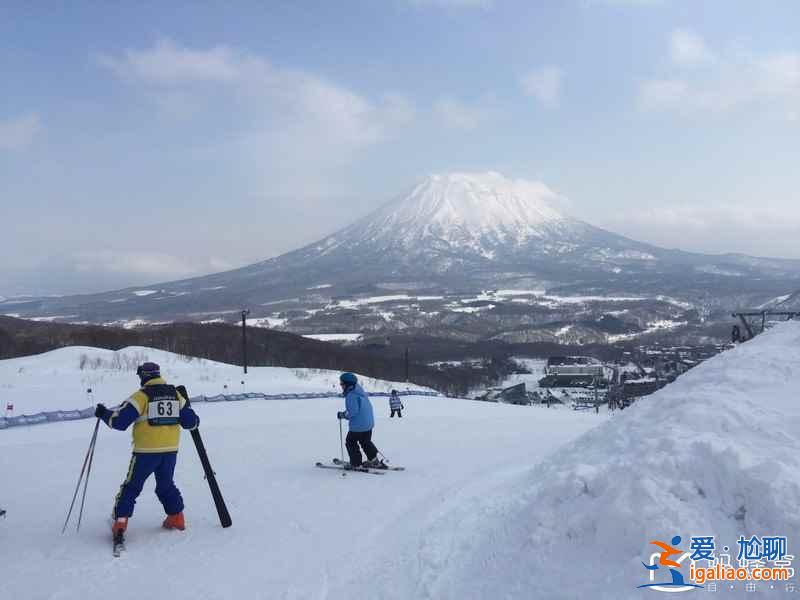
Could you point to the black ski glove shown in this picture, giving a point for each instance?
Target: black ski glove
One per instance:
(341, 415)
(100, 411)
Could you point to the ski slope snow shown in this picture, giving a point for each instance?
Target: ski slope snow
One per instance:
(498, 501)
(298, 532)
(60, 379)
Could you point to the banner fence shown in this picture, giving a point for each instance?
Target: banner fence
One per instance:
(56, 416)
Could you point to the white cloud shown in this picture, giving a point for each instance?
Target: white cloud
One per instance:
(659, 94)
(285, 125)
(544, 84)
(101, 270)
(688, 48)
(156, 265)
(634, 3)
(460, 115)
(169, 64)
(761, 228)
(19, 132)
(779, 74)
(769, 82)
(255, 84)
(398, 109)
(454, 3)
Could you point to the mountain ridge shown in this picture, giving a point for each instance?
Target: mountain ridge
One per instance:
(456, 233)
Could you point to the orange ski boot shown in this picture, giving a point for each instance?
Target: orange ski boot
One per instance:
(174, 522)
(119, 525)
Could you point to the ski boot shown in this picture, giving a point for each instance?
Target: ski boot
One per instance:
(119, 526)
(174, 522)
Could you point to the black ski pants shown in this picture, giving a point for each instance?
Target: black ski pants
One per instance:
(364, 439)
(396, 410)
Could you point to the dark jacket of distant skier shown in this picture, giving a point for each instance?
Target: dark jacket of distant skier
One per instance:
(359, 415)
(395, 404)
(158, 412)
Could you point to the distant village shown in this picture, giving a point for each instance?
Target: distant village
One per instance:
(585, 382)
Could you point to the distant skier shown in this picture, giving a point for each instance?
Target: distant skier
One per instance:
(395, 404)
(358, 412)
(158, 411)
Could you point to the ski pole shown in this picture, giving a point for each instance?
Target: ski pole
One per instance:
(341, 443)
(80, 478)
(86, 482)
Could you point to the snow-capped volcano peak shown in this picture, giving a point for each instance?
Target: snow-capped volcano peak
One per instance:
(478, 202)
(475, 211)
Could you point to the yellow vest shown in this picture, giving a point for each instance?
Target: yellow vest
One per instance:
(149, 438)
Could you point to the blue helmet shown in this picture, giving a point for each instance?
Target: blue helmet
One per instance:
(348, 379)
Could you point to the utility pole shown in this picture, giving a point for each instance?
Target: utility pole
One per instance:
(244, 339)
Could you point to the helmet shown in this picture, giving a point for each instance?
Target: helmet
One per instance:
(348, 379)
(148, 370)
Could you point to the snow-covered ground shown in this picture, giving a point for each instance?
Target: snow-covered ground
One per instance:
(498, 501)
(299, 532)
(59, 380)
(716, 453)
(531, 380)
(335, 337)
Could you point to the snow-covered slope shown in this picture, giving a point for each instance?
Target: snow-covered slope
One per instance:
(59, 380)
(498, 501)
(716, 453)
(298, 532)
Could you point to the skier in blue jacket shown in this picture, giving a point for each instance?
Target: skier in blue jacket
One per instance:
(358, 412)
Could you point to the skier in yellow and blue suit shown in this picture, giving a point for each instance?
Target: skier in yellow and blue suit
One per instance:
(157, 412)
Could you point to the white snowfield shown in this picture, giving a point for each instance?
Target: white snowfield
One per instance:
(498, 501)
(59, 380)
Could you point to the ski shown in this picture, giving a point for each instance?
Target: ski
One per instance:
(216, 494)
(338, 461)
(119, 544)
(353, 470)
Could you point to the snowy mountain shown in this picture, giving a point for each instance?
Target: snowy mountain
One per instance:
(456, 233)
(461, 214)
(498, 501)
(462, 228)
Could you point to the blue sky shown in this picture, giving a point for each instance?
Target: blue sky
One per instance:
(153, 141)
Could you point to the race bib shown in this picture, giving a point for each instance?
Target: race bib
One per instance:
(163, 410)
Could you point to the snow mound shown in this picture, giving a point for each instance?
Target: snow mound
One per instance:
(715, 453)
